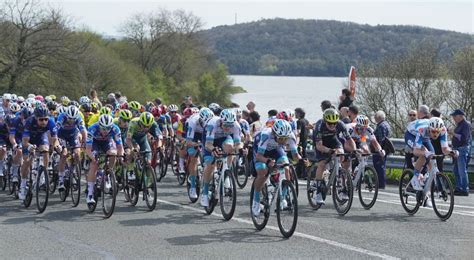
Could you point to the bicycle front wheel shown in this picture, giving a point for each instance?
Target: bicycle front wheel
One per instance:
(42, 189)
(228, 195)
(442, 196)
(287, 209)
(294, 179)
(368, 187)
(75, 184)
(108, 187)
(240, 171)
(311, 188)
(149, 188)
(342, 192)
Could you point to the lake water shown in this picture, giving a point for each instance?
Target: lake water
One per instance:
(275, 92)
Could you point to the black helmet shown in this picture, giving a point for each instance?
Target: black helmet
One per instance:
(51, 105)
(41, 112)
(86, 107)
(26, 112)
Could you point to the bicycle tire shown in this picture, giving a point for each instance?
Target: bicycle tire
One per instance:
(228, 193)
(442, 188)
(212, 197)
(108, 187)
(42, 189)
(372, 180)
(338, 189)
(291, 199)
(240, 171)
(29, 192)
(407, 174)
(310, 191)
(198, 188)
(261, 221)
(294, 179)
(64, 193)
(149, 177)
(75, 184)
(92, 206)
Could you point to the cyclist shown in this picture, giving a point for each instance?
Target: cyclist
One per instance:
(102, 137)
(4, 141)
(194, 136)
(17, 126)
(325, 137)
(68, 127)
(221, 133)
(270, 149)
(425, 129)
(361, 132)
(35, 134)
(123, 120)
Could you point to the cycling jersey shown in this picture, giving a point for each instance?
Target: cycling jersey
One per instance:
(137, 131)
(360, 135)
(423, 136)
(175, 120)
(414, 126)
(215, 131)
(123, 131)
(244, 125)
(4, 132)
(267, 145)
(330, 137)
(67, 127)
(17, 125)
(38, 135)
(195, 129)
(94, 135)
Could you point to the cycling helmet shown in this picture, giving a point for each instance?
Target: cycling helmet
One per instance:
(21, 99)
(205, 114)
(436, 124)
(51, 105)
(94, 107)
(125, 114)
(14, 107)
(290, 113)
(238, 112)
(37, 103)
(86, 107)
(39, 97)
(65, 100)
(228, 116)
(173, 108)
(72, 112)
(283, 115)
(155, 112)
(84, 100)
(74, 103)
(47, 99)
(215, 108)
(134, 105)
(53, 97)
(32, 96)
(195, 110)
(331, 115)
(26, 112)
(106, 121)
(62, 109)
(281, 128)
(122, 99)
(25, 104)
(187, 112)
(362, 121)
(41, 112)
(146, 119)
(14, 97)
(105, 110)
(30, 100)
(7, 96)
(124, 105)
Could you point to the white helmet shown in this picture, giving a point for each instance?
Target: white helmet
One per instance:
(62, 109)
(32, 96)
(30, 100)
(14, 107)
(72, 112)
(83, 100)
(21, 99)
(173, 108)
(362, 120)
(238, 111)
(205, 114)
(437, 123)
(25, 104)
(281, 128)
(48, 99)
(228, 116)
(7, 96)
(14, 97)
(106, 121)
(290, 113)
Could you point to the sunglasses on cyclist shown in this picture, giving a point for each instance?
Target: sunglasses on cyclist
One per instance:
(125, 120)
(105, 128)
(43, 119)
(331, 124)
(282, 139)
(227, 125)
(412, 114)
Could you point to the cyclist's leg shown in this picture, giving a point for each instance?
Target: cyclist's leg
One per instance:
(228, 148)
(192, 165)
(3, 152)
(92, 174)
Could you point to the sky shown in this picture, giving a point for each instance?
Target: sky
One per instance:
(106, 16)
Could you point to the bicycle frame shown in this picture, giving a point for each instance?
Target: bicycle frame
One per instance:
(281, 171)
(360, 169)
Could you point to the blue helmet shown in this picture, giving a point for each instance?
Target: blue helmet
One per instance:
(41, 112)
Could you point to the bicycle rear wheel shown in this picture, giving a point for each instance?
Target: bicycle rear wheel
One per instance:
(240, 171)
(368, 187)
(108, 187)
(228, 195)
(42, 189)
(342, 192)
(149, 188)
(442, 196)
(294, 179)
(64, 193)
(287, 209)
(130, 189)
(75, 184)
(198, 188)
(29, 192)
(408, 196)
(261, 221)
(311, 188)
(212, 197)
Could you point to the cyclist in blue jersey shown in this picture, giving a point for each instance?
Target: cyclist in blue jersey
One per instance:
(35, 134)
(68, 126)
(102, 137)
(4, 141)
(16, 126)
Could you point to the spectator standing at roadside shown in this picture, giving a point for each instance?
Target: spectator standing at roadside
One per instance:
(94, 98)
(344, 111)
(345, 99)
(353, 112)
(251, 106)
(325, 105)
(412, 116)
(382, 132)
(187, 103)
(256, 124)
(461, 142)
(302, 127)
(437, 142)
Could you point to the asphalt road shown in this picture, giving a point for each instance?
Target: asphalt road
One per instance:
(178, 229)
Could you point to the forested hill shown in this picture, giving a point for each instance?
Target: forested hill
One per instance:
(319, 47)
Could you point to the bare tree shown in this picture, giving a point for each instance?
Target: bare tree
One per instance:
(31, 37)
